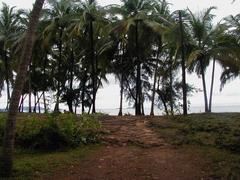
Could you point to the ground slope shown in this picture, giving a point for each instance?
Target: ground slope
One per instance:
(133, 151)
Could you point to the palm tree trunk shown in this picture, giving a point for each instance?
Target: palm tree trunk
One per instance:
(138, 78)
(154, 91)
(7, 79)
(6, 158)
(212, 83)
(162, 97)
(121, 97)
(93, 65)
(122, 80)
(142, 106)
(39, 104)
(204, 86)
(22, 110)
(83, 92)
(154, 83)
(44, 102)
(70, 100)
(56, 108)
(35, 102)
(171, 86)
(29, 91)
(44, 72)
(183, 63)
(20, 105)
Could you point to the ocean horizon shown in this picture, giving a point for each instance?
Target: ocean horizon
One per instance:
(193, 109)
(157, 111)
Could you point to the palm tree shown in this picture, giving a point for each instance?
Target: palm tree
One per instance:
(135, 19)
(9, 32)
(9, 134)
(214, 46)
(89, 24)
(58, 18)
(162, 14)
(201, 26)
(231, 42)
(183, 64)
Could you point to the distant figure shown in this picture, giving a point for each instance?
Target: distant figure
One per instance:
(66, 112)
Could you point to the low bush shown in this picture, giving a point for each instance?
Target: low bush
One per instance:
(55, 132)
(2, 123)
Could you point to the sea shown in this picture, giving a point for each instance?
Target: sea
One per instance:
(157, 111)
(193, 109)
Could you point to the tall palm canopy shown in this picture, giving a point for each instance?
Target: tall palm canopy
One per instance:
(141, 42)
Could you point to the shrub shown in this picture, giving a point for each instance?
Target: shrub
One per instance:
(54, 132)
(2, 123)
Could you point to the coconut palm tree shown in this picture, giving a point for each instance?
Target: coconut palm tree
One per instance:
(59, 18)
(91, 26)
(135, 18)
(201, 26)
(9, 32)
(231, 42)
(9, 135)
(215, 45)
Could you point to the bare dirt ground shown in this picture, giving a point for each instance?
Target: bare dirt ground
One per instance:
(132, 151)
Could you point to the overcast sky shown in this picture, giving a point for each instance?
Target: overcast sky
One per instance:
(109, 96)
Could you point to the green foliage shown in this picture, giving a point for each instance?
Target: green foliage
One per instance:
(55, 132)
(2, 122)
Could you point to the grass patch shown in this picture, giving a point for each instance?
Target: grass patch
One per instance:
(217, 136)
(29, 164)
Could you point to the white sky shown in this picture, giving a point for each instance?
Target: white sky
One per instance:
(109, 96)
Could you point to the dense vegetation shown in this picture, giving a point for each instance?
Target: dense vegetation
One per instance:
(52, 132)
(141, 42)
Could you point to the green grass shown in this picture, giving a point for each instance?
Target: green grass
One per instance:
(34, 164)
(216, 136)
(46, 142)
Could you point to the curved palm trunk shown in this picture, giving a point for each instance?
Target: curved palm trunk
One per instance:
(162, 97)
(204, 87)
(9, 134)
(212, 83)
(164, 102)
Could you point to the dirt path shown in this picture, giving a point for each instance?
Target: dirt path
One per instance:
(150, 157)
